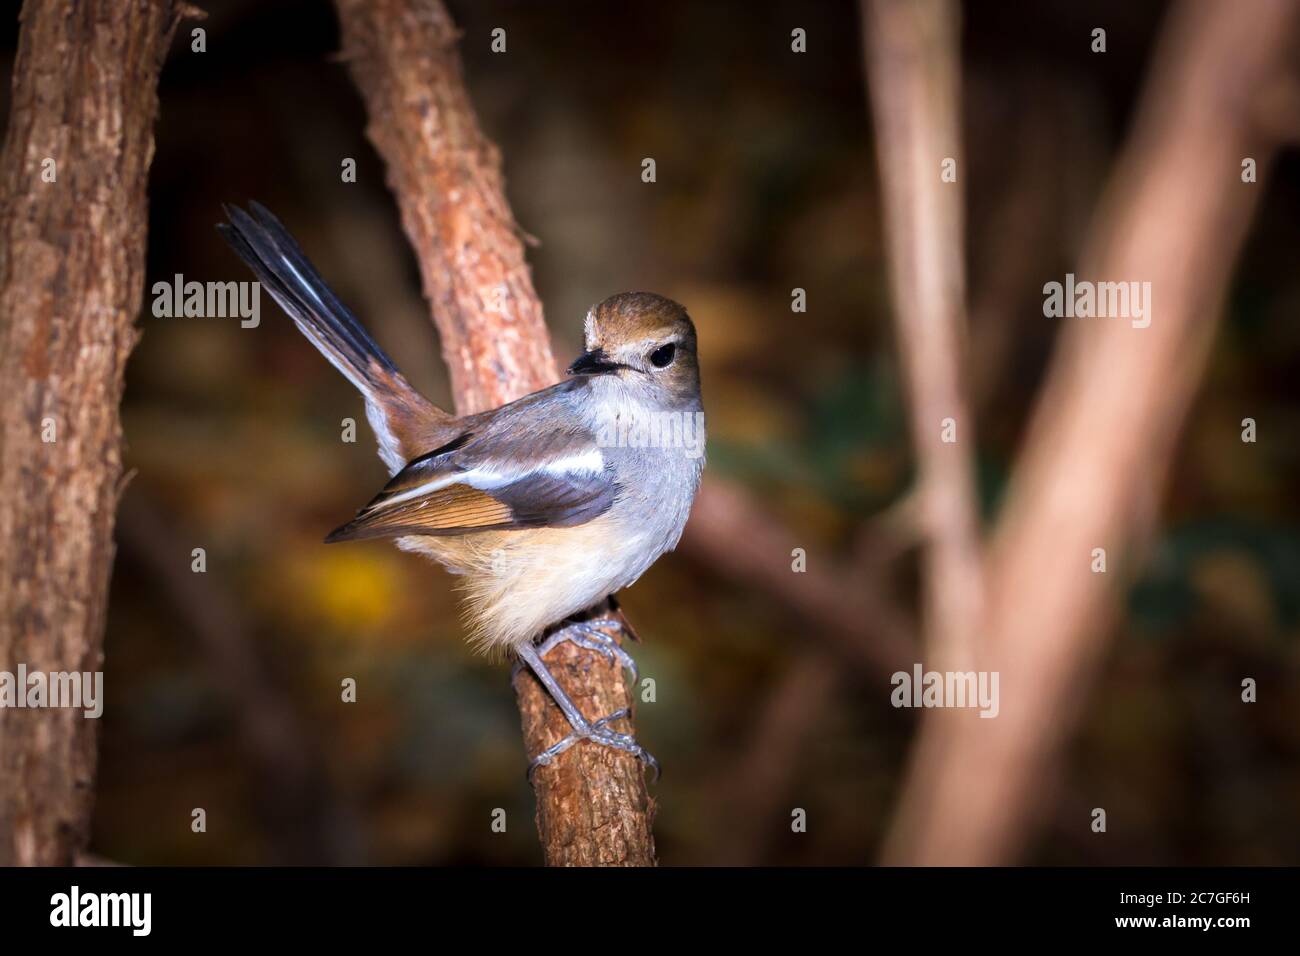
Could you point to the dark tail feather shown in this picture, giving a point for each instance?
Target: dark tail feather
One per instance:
(282, 267)
(405, 422)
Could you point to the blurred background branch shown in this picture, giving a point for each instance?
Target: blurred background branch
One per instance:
(846, 613)
(914, 69)
(1094, 462)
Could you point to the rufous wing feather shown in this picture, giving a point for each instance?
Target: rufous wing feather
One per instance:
(451, 510)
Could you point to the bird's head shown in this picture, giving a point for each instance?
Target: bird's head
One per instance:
(645, 340)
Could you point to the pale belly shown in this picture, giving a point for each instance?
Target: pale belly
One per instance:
(518, 583)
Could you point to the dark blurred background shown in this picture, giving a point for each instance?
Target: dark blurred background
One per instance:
(223, 688)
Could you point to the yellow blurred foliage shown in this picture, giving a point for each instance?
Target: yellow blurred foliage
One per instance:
(352, 591)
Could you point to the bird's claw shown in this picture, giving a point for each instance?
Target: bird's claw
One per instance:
(588, 634)
(598, 732)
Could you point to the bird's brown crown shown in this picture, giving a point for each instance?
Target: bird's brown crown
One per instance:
(635, 317)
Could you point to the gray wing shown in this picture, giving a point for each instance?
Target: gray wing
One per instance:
(530, 464)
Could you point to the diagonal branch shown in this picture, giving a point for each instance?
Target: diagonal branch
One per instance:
(592, 804)
(849, 615)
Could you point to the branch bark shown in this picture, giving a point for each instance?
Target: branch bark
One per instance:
(1104, 430)
(592, 804)
(72, 259)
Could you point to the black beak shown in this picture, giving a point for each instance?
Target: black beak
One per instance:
(595, 362)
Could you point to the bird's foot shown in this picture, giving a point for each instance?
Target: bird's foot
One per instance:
(586, 634)
(597, 732)
(589, 634)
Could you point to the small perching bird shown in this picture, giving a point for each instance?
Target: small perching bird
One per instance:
(547, 506)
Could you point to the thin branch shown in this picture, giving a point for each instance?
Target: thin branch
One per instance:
(912, 62)
(592, 804)
(850, 616)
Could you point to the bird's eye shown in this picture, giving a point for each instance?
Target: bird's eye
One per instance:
(663, 355)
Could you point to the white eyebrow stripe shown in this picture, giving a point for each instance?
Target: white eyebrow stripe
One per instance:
(590, 462)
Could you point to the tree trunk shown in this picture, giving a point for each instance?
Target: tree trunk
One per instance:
(592, 804)
(73, 213)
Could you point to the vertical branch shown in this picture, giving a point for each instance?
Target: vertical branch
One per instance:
(73, 174)
(912, 66)
(592, 803)
(1103, 434)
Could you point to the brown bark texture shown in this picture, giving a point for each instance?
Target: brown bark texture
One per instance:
(73, 175)
(593, 807)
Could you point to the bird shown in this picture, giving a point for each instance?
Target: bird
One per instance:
(547, 506)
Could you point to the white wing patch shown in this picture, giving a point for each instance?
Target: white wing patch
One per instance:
(486, 478)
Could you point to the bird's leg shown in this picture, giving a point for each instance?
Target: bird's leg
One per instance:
(596, 731)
